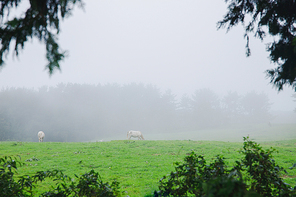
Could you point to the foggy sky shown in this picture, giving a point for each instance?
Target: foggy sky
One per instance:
(172, 44)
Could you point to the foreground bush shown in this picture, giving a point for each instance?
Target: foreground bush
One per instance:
(90, 184)
(256, 174)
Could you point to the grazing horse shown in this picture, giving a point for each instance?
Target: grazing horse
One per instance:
(41, 136)
(137, 134)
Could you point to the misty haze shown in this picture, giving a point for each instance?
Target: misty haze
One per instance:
(160, 67)
(75, 112)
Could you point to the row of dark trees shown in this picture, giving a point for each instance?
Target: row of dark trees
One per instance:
(75, 112)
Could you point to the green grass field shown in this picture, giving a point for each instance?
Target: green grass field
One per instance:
(137, 165)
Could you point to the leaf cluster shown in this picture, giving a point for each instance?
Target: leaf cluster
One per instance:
(256, 174)
(89, 184)
(41, 20)
(24, 185)
(276, 18)
(197, 178)
(263, 173)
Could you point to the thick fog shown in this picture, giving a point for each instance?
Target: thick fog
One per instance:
(161, 44)
(75, 112)
(172, 44)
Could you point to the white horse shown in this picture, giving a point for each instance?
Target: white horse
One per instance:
(41, 136)
(137, 134)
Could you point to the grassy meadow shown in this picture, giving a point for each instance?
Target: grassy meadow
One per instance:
(137, 165)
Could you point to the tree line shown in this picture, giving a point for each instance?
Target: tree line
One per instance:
(82, 112)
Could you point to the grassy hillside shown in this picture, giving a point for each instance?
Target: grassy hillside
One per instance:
(137, 165)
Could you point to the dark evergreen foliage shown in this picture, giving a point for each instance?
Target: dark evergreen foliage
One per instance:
(276, 18)
(41, 20)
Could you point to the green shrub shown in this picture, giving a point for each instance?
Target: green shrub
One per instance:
(256, 174)
(263, 174)
(8, 187)
(195, 177)
(90, 184)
